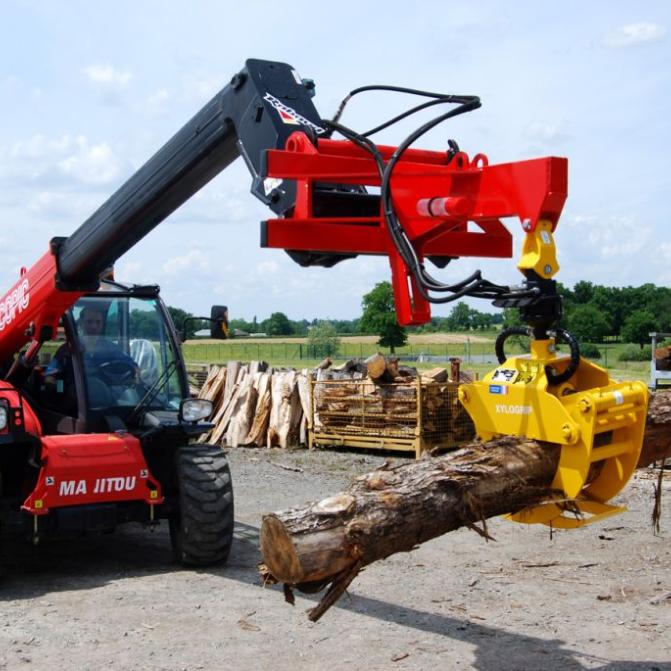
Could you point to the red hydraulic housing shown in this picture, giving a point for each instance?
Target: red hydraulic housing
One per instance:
(449, 205)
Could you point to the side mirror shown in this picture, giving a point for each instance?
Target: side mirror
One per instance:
(219, 322)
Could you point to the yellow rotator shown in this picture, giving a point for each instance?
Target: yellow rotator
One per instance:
(567, 400)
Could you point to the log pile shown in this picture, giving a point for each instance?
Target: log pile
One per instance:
(255, 405)
(391, 510)
(380, 397)
(663, 358)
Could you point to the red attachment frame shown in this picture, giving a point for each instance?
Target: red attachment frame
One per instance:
(434, 197)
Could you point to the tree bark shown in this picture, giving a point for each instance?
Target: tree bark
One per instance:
(395, 509)
(657, 439)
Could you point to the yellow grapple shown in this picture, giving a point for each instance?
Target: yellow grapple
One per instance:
(598, 422)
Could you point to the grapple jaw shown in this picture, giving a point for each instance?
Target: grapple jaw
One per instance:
(598, 422)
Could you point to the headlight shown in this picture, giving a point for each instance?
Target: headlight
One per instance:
(3, 417)
(193, 409)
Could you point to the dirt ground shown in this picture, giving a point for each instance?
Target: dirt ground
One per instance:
(597, 598)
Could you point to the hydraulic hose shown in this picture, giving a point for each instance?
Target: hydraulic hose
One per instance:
(561, 335)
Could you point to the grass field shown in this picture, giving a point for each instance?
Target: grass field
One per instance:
(433, 349)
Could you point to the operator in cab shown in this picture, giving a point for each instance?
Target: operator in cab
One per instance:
(105, 363)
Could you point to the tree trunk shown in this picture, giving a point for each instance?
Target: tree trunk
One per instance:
(395, 509)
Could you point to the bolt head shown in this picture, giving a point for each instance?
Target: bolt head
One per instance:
(585, 405)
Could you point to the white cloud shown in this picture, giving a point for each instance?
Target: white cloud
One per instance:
(201, 87)
(613, 236)
(107, 75)
(46, 161)
(635, 33)
(546, 133)
(193, 260)
(39, 146)
(91, 164)
(267, 268)
(130, 271)
(157, 101)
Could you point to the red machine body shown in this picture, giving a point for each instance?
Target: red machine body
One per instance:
(91, 468)
(435, 197)
(33, 304)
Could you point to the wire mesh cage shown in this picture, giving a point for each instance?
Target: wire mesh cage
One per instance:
(414, 416)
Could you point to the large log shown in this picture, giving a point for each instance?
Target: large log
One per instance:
(395, 509)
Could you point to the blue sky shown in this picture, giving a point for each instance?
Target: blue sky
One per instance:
(88, 91)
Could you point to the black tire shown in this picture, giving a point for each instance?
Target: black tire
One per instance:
(202, 529)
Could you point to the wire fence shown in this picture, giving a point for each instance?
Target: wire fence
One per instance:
(471, 353)
(288, 351)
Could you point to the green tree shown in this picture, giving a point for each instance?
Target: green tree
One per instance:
(242, 325)
(583, 292)
(379, 317)
(511, 317)
(460, 318)
(323, 339)
(481, 320)
(638, 326)
(588, 323)
(277, 324)
(178, 316)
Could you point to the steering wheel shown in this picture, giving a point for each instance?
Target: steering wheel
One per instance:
(118, 372)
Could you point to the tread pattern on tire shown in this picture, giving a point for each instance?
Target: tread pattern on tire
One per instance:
(203, 531)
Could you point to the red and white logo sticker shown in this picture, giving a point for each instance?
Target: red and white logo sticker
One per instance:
(291, 116)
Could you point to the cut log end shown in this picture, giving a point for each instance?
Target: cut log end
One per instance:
(279, 552)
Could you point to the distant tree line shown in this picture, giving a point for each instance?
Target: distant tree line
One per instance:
(591, 311)
(594, 312)
(278, 324)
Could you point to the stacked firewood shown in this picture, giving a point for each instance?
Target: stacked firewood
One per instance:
(255, 405)
(380, 395)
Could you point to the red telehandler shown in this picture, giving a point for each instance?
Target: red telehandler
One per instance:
(99, 430)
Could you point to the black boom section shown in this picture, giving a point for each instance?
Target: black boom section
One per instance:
(261, 106)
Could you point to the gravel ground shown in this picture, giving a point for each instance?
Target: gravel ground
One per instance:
(596, 598)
